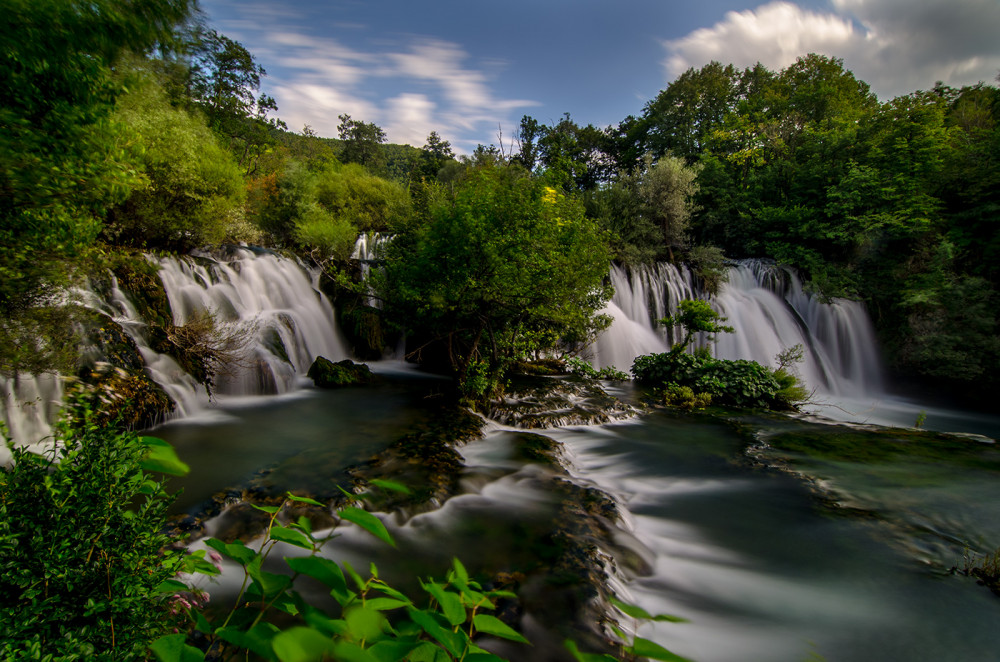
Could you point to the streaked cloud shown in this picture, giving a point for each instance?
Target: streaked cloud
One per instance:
(897, 46)
(409, 85)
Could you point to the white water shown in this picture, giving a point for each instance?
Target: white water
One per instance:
(770, 313)
(274, 300)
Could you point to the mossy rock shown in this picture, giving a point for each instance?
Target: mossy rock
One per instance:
(327, 374)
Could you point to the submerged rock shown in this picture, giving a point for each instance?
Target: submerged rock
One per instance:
(546, 402)
(327, 374)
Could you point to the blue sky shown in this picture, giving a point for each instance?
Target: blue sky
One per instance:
(464, 69)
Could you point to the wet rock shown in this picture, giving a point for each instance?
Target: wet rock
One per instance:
(327, 374)
(546, 402)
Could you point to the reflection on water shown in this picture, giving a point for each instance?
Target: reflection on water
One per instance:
(303, 439)
(762, 569)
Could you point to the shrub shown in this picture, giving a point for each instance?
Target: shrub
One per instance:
(738, 383)
(685, 398)
(581, 368)
(81, 552)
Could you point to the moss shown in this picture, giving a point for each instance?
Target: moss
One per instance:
(327, 374)
(537, 448)
(140, 278)
(884, 446)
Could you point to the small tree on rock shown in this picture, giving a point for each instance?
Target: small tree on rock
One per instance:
(695, 316)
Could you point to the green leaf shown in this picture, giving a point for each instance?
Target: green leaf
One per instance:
(172, 586)
(389, 485)
(302, 644)
(235, 550)
(312, 502)
(382, 587)
(269, 583)
(364, 623)
(352, 573)
(291, 536)
(492, 625)
(161, 457)
(451, 641)
(634, 611)
(368, 522)
(267, 509)
(425, 651)
(385, 604)
(172, 648)
(651, 649)
(450, 603)
(638, 612)
(256, 640)
(346, 651)
(393, 650)
(460, 571)
(321, 569)
(483, 657)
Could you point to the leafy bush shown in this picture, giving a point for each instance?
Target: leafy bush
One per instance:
(191, 185)
(581, 368)
(372, 620)
(82, 555)
(739, 383)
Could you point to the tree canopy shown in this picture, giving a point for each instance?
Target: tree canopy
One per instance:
(503, 267)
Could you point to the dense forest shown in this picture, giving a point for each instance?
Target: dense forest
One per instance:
(152, 138)
(131, 128)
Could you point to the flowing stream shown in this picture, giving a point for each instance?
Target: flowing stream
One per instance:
(850, 563)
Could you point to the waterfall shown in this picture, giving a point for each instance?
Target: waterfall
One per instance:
(274, 301)
(29, 407)
(770, 312)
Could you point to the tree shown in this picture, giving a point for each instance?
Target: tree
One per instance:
(362, 142)
(682, 118)
(225, 82)
(434, 155)
(695, 316)
(529, 131)
(190, 185)
(503, 267)
(666, 188)
(61, 162)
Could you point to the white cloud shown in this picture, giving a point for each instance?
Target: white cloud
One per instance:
(409, 88)
(897, 46)
(410, 119)
(318, 106)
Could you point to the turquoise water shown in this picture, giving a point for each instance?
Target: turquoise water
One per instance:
(763, 568)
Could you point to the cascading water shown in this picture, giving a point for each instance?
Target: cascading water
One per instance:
(273, 300)
(770, 313)
(28, 406)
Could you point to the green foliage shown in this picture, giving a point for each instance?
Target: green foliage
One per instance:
(709, 264)
(369, 203)
(370, 620)
(190, 185)
(82, 556)
(738, 383)
(224, 80)
(324, 234)
(685, 397)
(61, 159)
(666, 188)
(695, 316)
(362, 143)
(581, 368)
(501, 268)
(633, 647)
